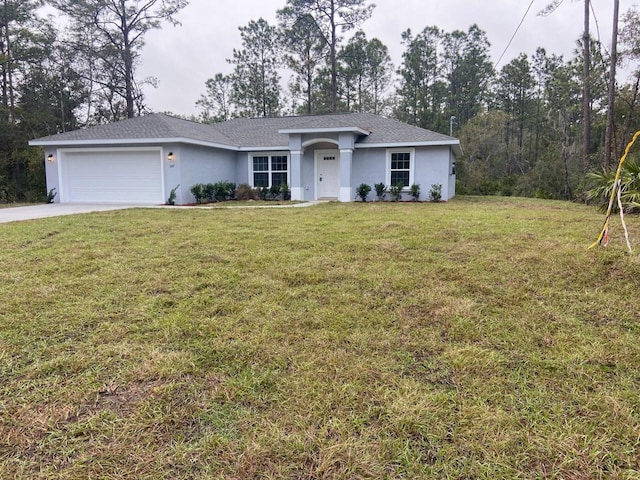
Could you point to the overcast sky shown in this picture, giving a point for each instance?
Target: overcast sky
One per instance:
(182, 58)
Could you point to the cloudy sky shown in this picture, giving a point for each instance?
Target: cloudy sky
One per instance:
(183, 58)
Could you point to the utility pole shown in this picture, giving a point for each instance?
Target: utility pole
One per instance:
(612, 86)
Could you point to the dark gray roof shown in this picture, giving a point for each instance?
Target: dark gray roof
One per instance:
(250, 132)
(153, 126)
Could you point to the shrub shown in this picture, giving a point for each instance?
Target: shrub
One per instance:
(172, 195)
(381, 189)
(231, 190)
(395, 192)
(223, 191)
(362, 191)
(285, 191)
(414, 191)
(198, 192)
(209, 191)
(274, 192)
(246, 192)
(435, 194)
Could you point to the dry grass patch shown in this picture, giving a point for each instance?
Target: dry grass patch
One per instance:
(473, 339)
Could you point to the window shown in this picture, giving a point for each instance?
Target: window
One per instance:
(269, 170)
(400, 168)
(260, 171)
(279, 170)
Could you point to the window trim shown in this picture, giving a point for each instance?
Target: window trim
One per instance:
(412, 156)
(270, 171)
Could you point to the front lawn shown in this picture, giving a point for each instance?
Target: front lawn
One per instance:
(14, 205)
(245, 203)
(473, 339)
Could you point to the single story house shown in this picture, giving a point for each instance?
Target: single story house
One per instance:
(140, 160)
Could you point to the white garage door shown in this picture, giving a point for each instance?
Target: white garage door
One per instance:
(112, 176)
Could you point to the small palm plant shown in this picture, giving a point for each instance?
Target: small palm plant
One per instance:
(395, 192)
(414, 191)
(603, 183)
(363, 191)
(381, 189)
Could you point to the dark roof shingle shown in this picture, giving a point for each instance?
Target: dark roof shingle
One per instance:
(249, 132)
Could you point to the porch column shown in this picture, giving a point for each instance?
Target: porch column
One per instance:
(346, 189)
(297, 190)
(295, 146)
(346, 142)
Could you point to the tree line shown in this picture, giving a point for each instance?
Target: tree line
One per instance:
(521, 126)
(59, 78)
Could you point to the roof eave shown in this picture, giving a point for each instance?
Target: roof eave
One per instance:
(454, 144)
(130, 141)
(273, 148)
(357, 130)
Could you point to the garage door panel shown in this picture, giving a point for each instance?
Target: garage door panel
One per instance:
(113, 176)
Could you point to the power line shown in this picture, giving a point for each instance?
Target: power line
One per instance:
(515, 33)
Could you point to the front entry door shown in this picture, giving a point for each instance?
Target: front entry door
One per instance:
(327, 173)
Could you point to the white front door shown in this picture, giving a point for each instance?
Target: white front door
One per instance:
(327, 173)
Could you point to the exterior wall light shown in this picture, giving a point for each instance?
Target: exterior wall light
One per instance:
(171, 157)
(51, 158)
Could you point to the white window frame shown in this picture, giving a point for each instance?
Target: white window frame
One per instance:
(270, 170)
(412, 162)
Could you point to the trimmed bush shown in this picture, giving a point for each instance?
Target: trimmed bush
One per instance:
(274, 192)
(209, 191)
(223, 191)
(198, 192)
(285, 191)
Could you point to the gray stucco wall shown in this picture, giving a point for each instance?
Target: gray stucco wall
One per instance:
(202, 165)
(370, 167)
(172, 171)
(242, 167)
(308, 174)
(432, 166)
(452, 176)
(51, 172)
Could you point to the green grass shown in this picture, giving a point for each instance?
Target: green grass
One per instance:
(473, 339)
(246, 203)
(13, 205)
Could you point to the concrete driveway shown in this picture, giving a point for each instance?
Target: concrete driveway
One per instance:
(32, 212)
